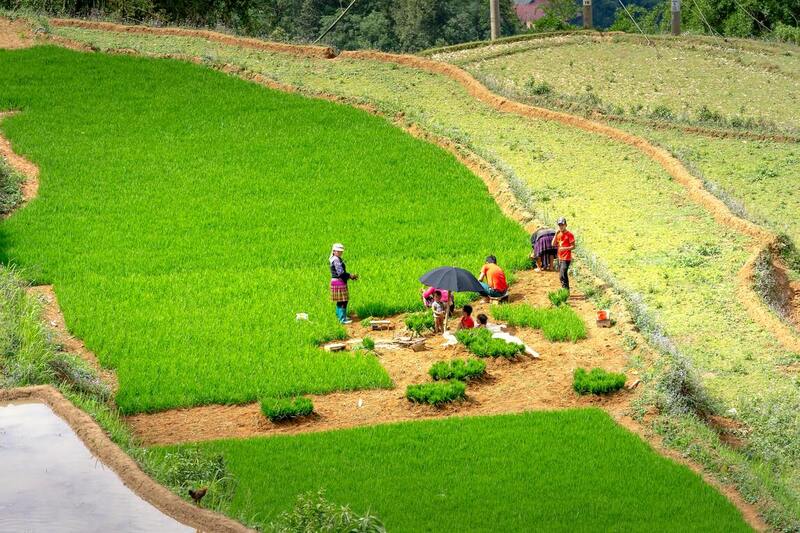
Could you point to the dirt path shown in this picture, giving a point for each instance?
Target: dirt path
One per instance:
(30, 186)
(52, 315)
(15, 34)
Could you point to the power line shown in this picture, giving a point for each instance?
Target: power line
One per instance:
(636, 23)
(343, 13)
(750, 15)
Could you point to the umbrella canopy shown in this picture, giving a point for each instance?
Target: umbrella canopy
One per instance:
(452, 279)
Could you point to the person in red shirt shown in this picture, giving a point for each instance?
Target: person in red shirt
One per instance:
(565, 241)
(495, 279)
(466, 321)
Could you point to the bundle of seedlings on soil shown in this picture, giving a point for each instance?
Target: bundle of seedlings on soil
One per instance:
(558, 297)
(481, 343)
(597, 381)
(558, 324)
(368, 343)
(277, 409)
(460, 369)
(420, 322)
(436, 393)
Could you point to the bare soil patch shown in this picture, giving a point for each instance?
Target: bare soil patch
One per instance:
(15, 34)
(510, 386)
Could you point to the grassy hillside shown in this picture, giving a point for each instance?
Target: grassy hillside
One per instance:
(556, 471)
(185, 216)
(623, 74)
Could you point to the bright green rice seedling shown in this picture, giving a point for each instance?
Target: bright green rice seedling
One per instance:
(597, 381)
(436, 393)
(368, 343)
(580, 459)
(460, 369)
(277, 409)
(558, 297)
(480, 342)
(185, 217)
(420, 322)
(558, 324)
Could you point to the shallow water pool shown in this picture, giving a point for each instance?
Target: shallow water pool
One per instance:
(50, 481)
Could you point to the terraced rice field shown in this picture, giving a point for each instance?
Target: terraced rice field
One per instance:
(736, 78)
(185, 217)
(626, 210)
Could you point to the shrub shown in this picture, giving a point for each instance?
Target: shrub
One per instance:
(787, 34)
(277, 409)
(190, 468)
(312, 512)
(436, 393)
(539, 88)
(460, 369)
(419, 322)
(557, 324)
(597, 381)
(704, 114)
(368, 343)
(662, 112)
(480, 342)
(558, 297)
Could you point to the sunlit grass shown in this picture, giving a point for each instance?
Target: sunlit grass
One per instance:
(555, 471)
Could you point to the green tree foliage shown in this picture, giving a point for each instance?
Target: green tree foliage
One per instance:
(390, 25)
(730, 18)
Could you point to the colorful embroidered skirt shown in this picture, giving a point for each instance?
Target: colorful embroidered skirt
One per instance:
(339, 291)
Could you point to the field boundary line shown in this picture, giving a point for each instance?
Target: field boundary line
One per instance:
(323, 52)
(112, 456)
(30, 172)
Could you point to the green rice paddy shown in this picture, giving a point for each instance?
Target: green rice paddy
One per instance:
(549, 471)
(185, 217)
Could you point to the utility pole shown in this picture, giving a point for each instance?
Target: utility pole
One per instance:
(494, 18)
(676, 17)
(587, 14)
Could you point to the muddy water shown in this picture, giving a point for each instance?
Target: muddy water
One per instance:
(49, 481)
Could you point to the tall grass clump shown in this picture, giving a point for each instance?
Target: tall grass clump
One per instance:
(279, 409)
(313, 512)
(10, 191)
(187, 469)
(436, 393)
(597, 381)
(241, 218)
(460, 369)
(557, 324)
(480, 342)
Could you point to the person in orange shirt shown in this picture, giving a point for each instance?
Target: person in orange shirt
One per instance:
(565, 241)
(495, 283)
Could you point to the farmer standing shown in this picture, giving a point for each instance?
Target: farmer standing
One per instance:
(339, 279)
(565, 241)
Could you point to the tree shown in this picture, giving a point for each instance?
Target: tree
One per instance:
(563, 10)
(308, 18)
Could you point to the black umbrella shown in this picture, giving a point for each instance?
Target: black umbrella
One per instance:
(454, 280)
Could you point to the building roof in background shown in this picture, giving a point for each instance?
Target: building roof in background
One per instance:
(530, 10)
